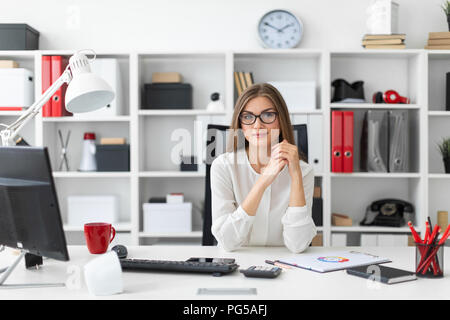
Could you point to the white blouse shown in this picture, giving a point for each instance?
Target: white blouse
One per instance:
(275, 223)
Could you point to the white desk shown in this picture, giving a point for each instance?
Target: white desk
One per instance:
(291, 284)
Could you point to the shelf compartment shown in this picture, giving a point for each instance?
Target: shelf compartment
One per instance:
(75, 146)
(285, 66)
(380, 70)
(438, 66)
(96, 186)
(413, 132)
(204, 71)
(161, 141)
(365, 191)
(193, 190)
(438, 128)
(438, 199)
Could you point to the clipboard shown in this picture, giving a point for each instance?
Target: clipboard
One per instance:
(332, 260)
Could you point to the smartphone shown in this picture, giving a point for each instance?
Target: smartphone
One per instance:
(215, 260)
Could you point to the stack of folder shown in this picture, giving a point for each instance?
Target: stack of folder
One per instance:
(342, 141)
(384, 41)
(52, 69)
(242, 80)
(385, 141)
(438, 40)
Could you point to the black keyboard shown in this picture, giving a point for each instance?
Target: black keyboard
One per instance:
(177, 266)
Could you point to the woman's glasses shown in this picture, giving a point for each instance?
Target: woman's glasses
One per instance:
(266, 117)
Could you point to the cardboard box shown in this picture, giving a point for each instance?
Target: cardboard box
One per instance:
(317, 241)
(166, 77)
(341, 220)
(8, 64)
(112, 141)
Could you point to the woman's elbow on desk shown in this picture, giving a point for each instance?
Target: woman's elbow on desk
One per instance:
(301, 244)
(223, 243)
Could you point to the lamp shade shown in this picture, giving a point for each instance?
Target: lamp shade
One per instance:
(86, 91)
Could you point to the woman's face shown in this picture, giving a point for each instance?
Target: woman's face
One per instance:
(263, 131)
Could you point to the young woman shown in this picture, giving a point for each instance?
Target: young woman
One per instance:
(262, 191)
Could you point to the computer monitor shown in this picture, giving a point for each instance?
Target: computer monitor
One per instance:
(30, 219)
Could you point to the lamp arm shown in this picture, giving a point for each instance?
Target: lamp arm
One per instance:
(13, 129)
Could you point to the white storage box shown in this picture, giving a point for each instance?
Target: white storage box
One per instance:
(17, 87)
(167, 217)
(86, 209)
(382, 17)
(298, 95)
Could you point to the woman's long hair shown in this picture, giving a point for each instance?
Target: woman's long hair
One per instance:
(270, 92)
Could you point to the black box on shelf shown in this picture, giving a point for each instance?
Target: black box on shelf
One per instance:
(167, 96)
(18, 36)
(113, 157)
(188, 163)
(317, 211)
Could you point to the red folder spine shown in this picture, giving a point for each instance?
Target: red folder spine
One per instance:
(11, 108)
(336, 141)
(59, 64)
(347, 141)
(46, 82)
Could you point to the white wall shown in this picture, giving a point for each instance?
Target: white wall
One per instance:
(206, 24)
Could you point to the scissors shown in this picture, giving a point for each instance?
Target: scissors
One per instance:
(64, 161)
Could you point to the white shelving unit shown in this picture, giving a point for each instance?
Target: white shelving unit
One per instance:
(418, 74)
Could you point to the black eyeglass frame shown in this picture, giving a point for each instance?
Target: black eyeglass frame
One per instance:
(257, 116)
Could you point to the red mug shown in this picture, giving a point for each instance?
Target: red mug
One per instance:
(98, 236)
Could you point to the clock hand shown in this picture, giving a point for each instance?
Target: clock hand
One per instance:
(269, 25)
(286, 26)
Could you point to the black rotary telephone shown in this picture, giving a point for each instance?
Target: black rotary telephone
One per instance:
(388, 213)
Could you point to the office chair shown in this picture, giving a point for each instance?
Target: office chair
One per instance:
(216, 132)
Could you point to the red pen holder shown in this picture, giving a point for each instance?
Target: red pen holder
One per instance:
(429, 260)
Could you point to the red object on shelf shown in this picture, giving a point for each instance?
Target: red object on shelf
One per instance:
(336, 141)
(89, 136)
(46, 83)
(59, 64)
(11, 108)
(347, 142)
(392, 96)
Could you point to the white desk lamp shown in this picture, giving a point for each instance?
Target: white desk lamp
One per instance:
(85, 92)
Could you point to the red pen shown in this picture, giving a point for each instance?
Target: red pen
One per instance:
(434, 234)
(427, 232)
(414, 233)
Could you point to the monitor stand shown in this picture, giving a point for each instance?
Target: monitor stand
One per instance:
(5, 273)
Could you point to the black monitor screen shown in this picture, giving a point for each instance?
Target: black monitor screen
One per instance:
(29, 212)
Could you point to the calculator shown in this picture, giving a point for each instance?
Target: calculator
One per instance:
(261, 272)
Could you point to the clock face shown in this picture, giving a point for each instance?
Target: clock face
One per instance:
(280, 29)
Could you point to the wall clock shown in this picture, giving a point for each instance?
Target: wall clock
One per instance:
(280, 29)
